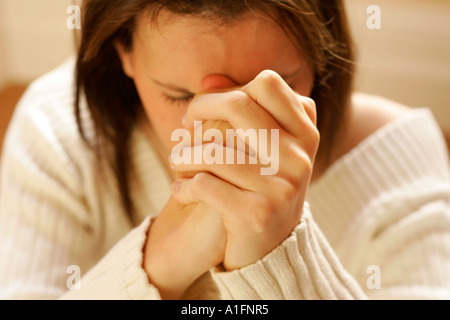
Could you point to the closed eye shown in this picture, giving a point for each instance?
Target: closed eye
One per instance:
(178, 100)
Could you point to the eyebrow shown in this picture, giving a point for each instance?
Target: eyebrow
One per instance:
(189, 93)
(173, 87)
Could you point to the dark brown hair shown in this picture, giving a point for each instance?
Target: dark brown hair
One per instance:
(318, 28)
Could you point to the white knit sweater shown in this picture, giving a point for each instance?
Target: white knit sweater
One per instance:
(381, 226)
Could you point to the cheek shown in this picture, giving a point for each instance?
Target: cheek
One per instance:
(304, 85)
(164, 117)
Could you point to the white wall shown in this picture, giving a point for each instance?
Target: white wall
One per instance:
(3, 48)
(33, 38)
(407, 60)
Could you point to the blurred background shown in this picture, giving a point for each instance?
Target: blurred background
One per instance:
(407, 60)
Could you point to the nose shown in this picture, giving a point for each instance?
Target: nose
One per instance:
(217, 81)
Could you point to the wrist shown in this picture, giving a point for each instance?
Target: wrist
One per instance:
(163, 272)
(171, 285)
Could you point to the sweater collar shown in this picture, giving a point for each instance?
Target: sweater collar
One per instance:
(399, 160)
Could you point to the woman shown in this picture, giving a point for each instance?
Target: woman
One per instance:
(365, 214)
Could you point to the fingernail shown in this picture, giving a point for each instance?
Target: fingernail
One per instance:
(183, 121)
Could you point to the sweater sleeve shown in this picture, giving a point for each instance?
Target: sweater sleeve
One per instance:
(52, 235)
(381, 229)
(304, 266)
(119, 275)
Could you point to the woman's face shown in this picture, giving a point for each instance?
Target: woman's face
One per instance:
(177, 56)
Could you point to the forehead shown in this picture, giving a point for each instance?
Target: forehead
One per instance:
(191, 44)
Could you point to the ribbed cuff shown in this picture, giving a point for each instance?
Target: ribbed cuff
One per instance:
(119, 275)
(135, 278)
(302, 267)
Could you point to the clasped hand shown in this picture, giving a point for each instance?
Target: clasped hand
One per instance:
(230, 213)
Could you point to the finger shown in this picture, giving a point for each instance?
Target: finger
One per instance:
(310, 108)
(287, 159)
(263, 144)
(288, 108)
(204, 187)
(229, 164)
(235, 107)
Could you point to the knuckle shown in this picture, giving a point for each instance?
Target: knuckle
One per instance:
(306, 165)
(308, 143)
(309, 103)
(313, 142)
(307, 169)
(269, 76)
(314, 135)
(287, 189)
(301, 172)
(240, 101)
(287, 193)
(310, 107)
(261, 215)
(199, 183)
(269, 79)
